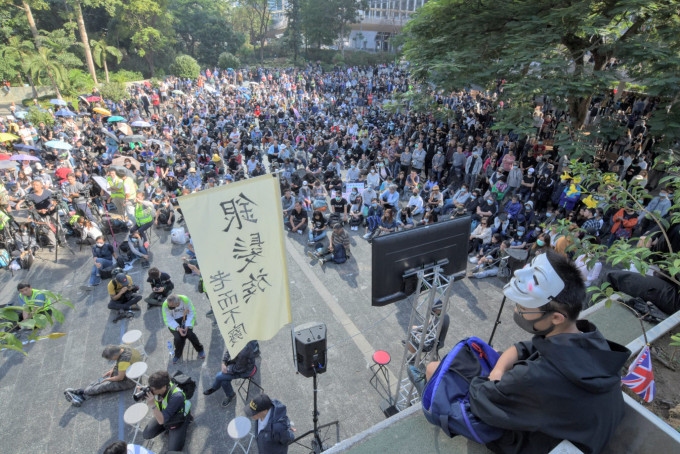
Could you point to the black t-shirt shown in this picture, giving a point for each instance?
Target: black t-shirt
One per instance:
(42, 201)
(298, 217)
(318, 224)
(338, 206)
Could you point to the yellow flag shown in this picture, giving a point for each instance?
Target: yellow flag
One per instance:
(237, 232)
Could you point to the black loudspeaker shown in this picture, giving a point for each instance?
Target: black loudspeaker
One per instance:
(310, 348)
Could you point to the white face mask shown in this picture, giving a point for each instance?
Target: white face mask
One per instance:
(535, 285)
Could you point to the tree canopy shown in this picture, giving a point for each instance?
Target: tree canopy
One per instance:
(570, 51)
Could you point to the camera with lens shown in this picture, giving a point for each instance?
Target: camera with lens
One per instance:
(141, 394)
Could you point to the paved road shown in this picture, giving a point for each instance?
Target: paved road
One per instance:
(38, 419)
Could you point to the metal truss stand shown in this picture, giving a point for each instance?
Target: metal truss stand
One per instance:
(423, 327)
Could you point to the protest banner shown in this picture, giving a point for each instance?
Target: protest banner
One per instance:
(237, 233)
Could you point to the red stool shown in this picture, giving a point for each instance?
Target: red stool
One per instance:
(381, 359)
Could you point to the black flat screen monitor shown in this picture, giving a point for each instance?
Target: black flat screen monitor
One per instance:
(410, 250)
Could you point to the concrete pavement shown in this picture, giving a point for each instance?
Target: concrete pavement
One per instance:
(40, 420)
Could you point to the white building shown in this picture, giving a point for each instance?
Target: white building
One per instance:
(383, 20)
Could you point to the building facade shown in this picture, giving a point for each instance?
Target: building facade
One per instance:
(380, 23)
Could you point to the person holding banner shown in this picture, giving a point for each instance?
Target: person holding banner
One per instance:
(179, 316)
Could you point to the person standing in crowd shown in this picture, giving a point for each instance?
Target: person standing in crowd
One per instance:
(274, 431)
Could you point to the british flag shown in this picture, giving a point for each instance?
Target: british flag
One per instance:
(640, 377)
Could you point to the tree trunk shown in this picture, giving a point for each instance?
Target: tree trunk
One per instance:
(54, 84)
(86, 43)
(106, 68)
(31, 23)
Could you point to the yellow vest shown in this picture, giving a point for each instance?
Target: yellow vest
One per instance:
(115, 187)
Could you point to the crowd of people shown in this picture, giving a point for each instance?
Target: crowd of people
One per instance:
(343, 160)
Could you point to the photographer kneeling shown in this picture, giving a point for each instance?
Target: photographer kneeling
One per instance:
(170, 408)
(123, 294)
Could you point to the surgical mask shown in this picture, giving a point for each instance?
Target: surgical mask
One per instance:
(100, 244)
(338, 198)
(541, 243)
(473, 197)
(663, 196)
(372, 170)
(490, 202)
(528, 325)
(547, 215)
(374, 205)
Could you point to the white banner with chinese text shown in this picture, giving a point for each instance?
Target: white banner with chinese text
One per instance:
(237, 232)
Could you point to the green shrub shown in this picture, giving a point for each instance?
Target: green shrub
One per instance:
(228, 60)
(44, 101)
(36, 116)
(79, 82)
(114, 91)
(338, 59)
(125, 76)
(185, 66)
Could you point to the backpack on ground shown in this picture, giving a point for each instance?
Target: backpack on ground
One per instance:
(178, 236)
(446, 399)
(185, 383)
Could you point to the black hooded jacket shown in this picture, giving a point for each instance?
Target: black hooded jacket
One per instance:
(566, 386)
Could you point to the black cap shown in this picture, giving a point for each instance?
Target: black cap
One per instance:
(259, 403)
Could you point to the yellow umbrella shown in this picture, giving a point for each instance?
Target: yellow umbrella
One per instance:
(101, 110)
(7, 137)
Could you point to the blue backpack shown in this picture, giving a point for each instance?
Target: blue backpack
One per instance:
(446, 399)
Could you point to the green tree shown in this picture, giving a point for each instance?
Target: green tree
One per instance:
(80, 20)
(563, 49)
(318, 23)
(347, 12)
(44, 63)
(36, 116)
(60, 42)
(19, 50)
(228, 60)
(148, 25)
(185, 66)
(39, 318)
(204, 30)
(114, 91)
(101, 52)
(258, 16)
(293, 34)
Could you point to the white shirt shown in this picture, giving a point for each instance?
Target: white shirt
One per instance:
(262, 424)
(416, 201)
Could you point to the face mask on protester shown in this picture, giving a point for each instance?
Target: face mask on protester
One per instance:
(100, 244)
(528, 325)
(541, 243)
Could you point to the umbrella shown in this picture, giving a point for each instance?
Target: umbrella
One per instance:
(58, 144)
(123, 168)
(21, 114)
(4, 157)
(134, 138)
(102, 183)
(120, 161)
(58, 102)
(141, 124)
(8, 164)
(83, 114)
(114, 119)
(64, 113)
(7, 137)
(109, 134)
(93, 99)
(23, 157)
(22, 147)
(125, 129)
(101, 110)
(177, 92)
(210, 89)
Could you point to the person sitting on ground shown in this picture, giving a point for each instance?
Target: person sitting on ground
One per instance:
(356, 213)
(416, 203)
(564, 384)
(338, 250)
(298, 219)
(317, 231)
(388, 224)
(240, 367)
(30, 298)
(375, 212)
(123, 293)
(161, 287)
(104, 256)
(113, 380)
(138, 248)
(489, 265)
(165, 214)
(479, 236)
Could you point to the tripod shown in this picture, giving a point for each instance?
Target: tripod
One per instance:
(317, 442)
(498, 321)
